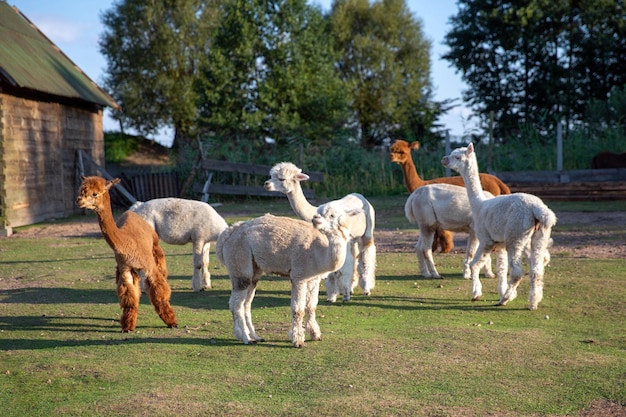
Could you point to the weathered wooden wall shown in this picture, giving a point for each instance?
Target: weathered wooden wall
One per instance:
(38, 153)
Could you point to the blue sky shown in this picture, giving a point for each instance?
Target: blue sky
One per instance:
(74, 26)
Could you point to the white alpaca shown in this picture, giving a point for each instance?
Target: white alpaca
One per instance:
(303, 251)
(442, 206)
(178, 221)
(509, 223)
(360, 265)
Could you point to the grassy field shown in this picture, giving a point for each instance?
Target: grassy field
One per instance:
(415, 347)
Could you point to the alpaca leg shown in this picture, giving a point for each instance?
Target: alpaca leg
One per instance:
(354, 276)
(332, 286)
(298, 300)
(201, 276)
(472, 245)
(540, 257)
(425, 254)
(502, 270)
(367, 267)
(312, 296)
(445, 240)
(344, 277)
(481, 256)
(251, 332)
(159, 292)
(236, 305)
(516, 272)
(128, 293)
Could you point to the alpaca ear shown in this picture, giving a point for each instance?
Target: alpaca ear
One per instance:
(302, 177)
(112, 182)
(415, 145)
(470, 149)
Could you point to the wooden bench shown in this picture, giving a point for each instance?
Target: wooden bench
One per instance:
(213, 165)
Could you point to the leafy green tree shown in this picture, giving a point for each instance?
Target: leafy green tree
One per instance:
(385, 62)
(154, 49)
(539, 61)
(270, 74)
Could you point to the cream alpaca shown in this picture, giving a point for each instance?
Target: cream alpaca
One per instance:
(178, 221)
(508, 223)
(303, 251)
(360, 264)
(441, 206)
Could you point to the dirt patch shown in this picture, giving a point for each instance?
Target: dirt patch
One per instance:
(599, 235)
(577, 234)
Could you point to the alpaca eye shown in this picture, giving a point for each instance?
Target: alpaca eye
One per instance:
(94, 195)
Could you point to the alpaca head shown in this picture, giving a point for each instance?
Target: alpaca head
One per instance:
(333, 218)
(460, 158)
(400, 151)
(93, 192)
(285, 177)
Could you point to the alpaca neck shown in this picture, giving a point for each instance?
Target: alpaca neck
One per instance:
(300, 205)
(412, 180)
(470, 175)
(339, 249)
(109, 228)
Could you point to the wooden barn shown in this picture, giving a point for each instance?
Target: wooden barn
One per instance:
(49, 109)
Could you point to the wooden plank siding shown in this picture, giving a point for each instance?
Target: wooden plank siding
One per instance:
(40, 140)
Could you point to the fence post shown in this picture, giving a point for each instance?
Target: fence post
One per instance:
(559, 146)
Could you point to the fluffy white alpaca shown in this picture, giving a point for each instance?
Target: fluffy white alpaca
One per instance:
(360, 265)
(303, 251)
(442, 206)
(508, 223)
(178, 221)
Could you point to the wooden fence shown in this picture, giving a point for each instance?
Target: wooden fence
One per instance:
(238, 187)
(574, 185)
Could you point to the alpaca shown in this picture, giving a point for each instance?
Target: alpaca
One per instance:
(178, 221)
(136, 248)
(400, 153)
(441, 206)
(360, 263)
(508, 223)
(303, 251)
(605, 160)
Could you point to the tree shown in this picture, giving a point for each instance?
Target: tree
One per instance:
(536, 62)
(270, 73)
(153, 50)
(385, 63)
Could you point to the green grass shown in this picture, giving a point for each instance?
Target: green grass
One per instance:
(415, 347)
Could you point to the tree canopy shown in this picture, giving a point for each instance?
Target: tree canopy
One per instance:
(280, 69)
(539, 61)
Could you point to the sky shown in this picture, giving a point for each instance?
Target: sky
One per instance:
(75, 27)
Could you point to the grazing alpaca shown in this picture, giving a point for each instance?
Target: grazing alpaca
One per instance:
(303, 251)
(609, 160)
(400, 153)
(508, 223)
(441, 206)
(136, 248)
(360, 262)
(178, 221)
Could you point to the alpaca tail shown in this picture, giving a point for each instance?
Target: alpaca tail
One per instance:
(408, 210)
(222, 239)
(544, 217)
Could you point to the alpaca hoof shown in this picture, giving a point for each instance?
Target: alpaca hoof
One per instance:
(532, 308)
(476, 298)
(366, 293)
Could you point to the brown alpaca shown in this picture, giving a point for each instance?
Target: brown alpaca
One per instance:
(136, 248)
(400, 153)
